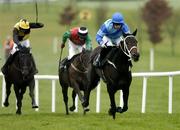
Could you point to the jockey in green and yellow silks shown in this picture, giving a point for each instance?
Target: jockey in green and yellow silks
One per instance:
(21, 34)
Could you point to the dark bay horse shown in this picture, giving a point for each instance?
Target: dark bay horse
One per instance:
(74, 76)
(116, 72)
(20, 74)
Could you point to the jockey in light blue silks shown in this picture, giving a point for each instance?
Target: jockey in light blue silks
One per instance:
(110, 34)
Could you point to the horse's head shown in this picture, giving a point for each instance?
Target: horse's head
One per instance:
(25, 62)
(129, 46)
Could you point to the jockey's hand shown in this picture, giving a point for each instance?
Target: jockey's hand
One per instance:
(62, 45)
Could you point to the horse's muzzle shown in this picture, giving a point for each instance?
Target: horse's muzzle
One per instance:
(135, 56)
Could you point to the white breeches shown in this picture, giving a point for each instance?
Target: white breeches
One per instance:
(110, 42)
(25, 43)
(74, 49)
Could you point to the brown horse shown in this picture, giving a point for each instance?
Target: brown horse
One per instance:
(20, 74)
(75, 76)
(115, 72)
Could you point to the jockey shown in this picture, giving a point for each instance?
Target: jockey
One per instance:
(110, 34)
(78, 39)
(21, 33)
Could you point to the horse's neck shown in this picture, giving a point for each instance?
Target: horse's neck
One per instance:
(121, 61)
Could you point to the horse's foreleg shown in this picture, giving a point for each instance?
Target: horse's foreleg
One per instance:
(65, 97)
(125, 99)
(111, 92)
(8, 91)
(18, 98)
(77, 90)
(31, 94)
(91, 78)
(72, 108)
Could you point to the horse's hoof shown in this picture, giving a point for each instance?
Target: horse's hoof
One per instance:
(67, 113)
(114, 116)
(6, 104)
(112, 112)
(35, 107)
(18, 112)
(86, 109)
(72, 108)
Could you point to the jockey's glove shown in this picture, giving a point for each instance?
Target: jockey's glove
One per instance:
(62, 45)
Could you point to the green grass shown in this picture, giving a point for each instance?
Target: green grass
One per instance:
(129, 121)
(156, 116)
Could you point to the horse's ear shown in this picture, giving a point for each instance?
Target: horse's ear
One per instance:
(135, 32)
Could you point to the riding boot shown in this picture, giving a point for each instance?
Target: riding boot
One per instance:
(4, 69)
(35, 70)
(63, 64)
(97, 61)
(101, 58)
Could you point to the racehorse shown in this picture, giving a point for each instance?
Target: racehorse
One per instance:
(20, 74)
(116, 71)
(75, 76)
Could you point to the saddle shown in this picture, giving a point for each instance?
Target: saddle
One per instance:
(102, 54)
(65, 63)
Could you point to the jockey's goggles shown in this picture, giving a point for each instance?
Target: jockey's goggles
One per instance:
(117, 24)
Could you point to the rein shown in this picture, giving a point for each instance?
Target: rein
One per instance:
(76, 69)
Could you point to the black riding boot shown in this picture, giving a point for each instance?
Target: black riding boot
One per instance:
(63, 64)
(4, 69)
(97, 62)
(101, 58)
(35, 71)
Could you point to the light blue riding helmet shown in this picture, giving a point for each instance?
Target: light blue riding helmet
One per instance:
(117, 18)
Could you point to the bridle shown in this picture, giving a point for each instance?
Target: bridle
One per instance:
(125, 49)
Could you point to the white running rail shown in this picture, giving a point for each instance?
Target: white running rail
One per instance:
(144, 75)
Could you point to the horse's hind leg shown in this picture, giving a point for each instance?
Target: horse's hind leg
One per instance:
(8, 91)
(72, 108)
(31, 94)
(125, 99)
(65, 97)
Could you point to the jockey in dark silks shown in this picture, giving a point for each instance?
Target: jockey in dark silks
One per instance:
(110, 34)
(21, 33)
(78, 39)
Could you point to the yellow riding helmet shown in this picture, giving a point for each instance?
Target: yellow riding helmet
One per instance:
(24, 24)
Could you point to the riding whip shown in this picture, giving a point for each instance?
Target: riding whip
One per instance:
(60, 54)
(36, 11)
